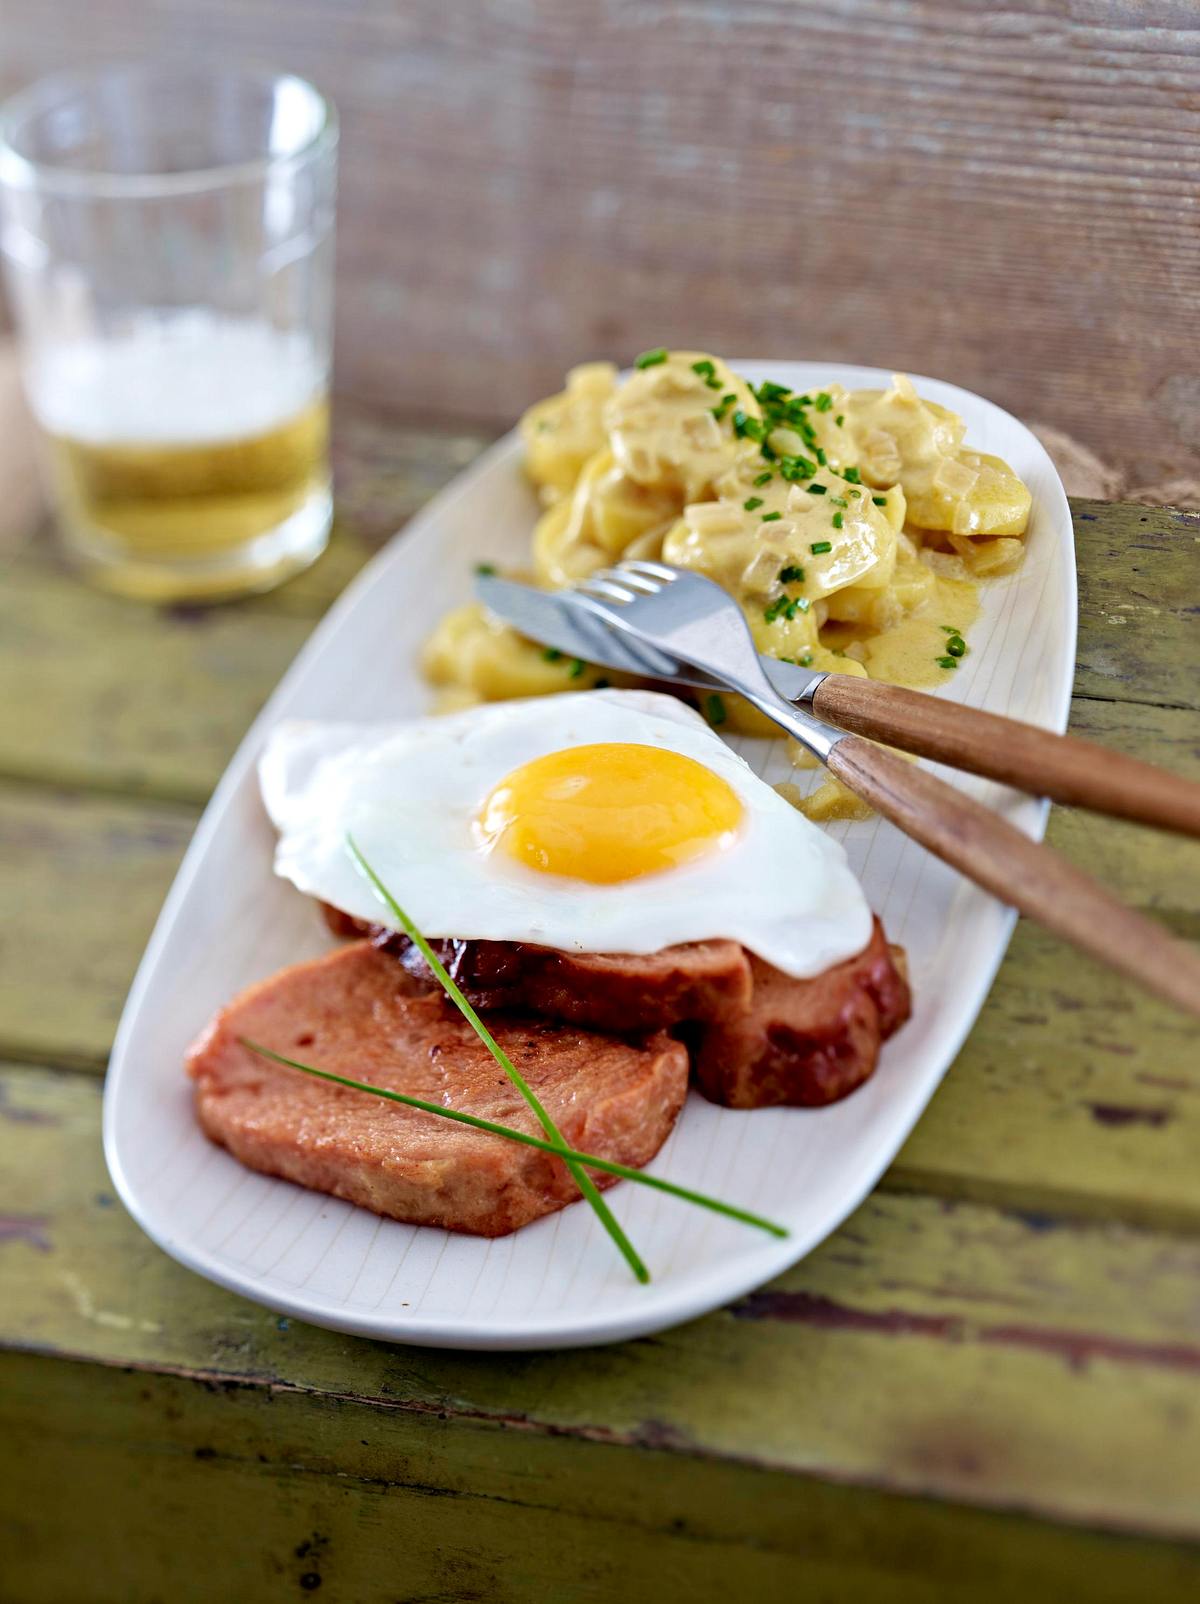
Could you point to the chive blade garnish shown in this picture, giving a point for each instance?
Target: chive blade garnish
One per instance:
(946, 662)
(484, 569)
(791, 574)
(551, 654)
(651, 359)
(837, 520)
(715, 708)
(771, 517)
(751, 502)
(584, 1182)
(606, 1165)
(819, 546)
(763, 478)
(816, 490)
(879, 501)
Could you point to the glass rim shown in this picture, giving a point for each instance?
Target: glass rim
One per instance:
(19, 171)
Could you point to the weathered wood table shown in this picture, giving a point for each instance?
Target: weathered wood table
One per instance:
(985, 1386)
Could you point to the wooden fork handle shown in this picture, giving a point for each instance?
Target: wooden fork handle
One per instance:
(1038, 761)
(1031, 877)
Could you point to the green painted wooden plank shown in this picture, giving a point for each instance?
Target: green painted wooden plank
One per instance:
(939, 1350)
(1137, 602)
(84, 877)
(110, 694)
(105, 693)
(198, 1493)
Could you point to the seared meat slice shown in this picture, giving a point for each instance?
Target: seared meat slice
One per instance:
(602, 991)
(804, 1042)
(758, 1037)
(358, 1012)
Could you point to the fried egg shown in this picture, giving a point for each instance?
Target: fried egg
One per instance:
(607, 821)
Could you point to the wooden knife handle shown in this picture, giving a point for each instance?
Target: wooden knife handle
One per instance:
(1038, 761)
(1031, 877)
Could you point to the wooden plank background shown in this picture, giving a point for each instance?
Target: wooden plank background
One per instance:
(1001, 194)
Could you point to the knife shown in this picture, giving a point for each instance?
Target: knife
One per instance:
(543, 616)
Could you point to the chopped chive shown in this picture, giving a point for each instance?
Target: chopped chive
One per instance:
(839, 501)
(764, 478)
(794, 468)
(715, 708)
(837, 520)
(787, 660)
(946, 662)
(840, 419)
(651, 359)
(791, 575)
(767, 391)
(577, 667)
(820, 546)
(484, 569)
(602, 684)
(820, 455)
(748, 428)
(552, 654)
(950, 629)
(880, 501)
(824, 401)
(705, 369)
(771, 517)
(956, 646)
(854, 492)
(801, 604)
(806, 660)
(771, 613)
(723, 406)
(816, 490)
(751, 502)
(852, 476)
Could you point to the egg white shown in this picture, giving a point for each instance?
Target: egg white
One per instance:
(410, 793)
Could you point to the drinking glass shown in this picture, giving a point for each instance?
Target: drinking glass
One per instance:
(167, 235)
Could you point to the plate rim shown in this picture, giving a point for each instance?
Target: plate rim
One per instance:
(453, 1331)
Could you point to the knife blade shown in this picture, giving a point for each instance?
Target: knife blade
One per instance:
(556, 619)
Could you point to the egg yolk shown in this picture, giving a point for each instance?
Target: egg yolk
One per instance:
(610, 812)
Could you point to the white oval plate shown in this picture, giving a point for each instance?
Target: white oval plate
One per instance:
(558, 1283)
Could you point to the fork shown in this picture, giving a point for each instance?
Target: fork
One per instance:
(666, 616)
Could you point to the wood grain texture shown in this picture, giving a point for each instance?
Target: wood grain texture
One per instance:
(950, 1352)
(1066, 769)
(375, 1505)
(1002, 195)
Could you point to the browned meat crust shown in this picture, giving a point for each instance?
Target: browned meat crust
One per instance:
(804, 1043)
(356, 1011)
(758, 1037)
(601, 991)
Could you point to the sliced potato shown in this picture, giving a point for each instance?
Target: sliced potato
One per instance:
(474, 651)
(604, 516)
(972, 494)
(562, 432)
(664, 429)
